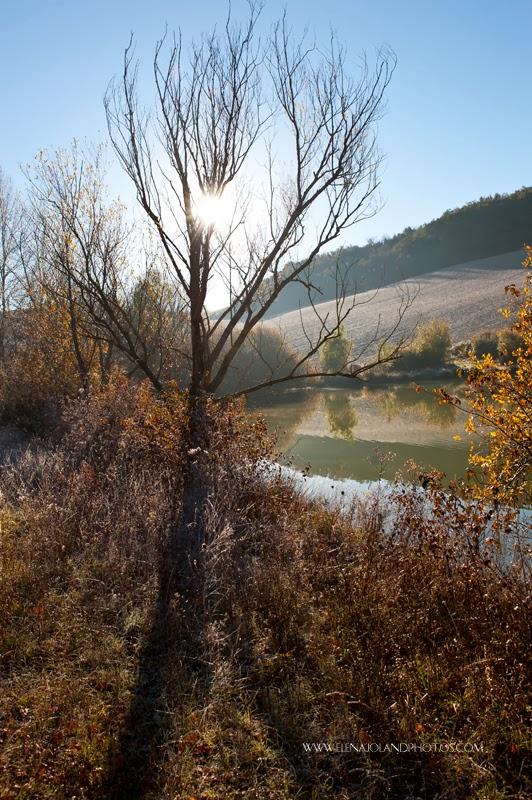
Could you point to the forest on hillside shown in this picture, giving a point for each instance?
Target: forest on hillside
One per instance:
(489, 226)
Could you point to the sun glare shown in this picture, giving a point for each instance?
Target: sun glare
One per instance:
(211, 210)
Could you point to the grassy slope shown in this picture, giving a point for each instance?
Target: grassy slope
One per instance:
(468, 296)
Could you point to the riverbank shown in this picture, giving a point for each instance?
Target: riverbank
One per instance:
(294, 627)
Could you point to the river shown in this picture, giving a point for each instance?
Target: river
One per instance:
(368, 432)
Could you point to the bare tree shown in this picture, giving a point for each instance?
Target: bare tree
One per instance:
(206, 161)
(10, 229)
(84, 255)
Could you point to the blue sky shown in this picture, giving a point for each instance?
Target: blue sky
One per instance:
(459, 119)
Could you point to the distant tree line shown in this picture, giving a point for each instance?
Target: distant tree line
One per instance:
(487, 227)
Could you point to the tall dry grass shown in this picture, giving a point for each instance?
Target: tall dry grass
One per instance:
(140, 662)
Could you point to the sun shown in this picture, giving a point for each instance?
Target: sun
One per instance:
(210, 210)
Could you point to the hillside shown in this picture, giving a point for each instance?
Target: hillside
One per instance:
(491, 226)
(468, 296)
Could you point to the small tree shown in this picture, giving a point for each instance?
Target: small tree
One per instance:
(41, 369)
(112, 283)
(155, 312)
(430, 348)
(433, 341)
(336, 353)
(509, 341)
(10, 230)
(264, 355)
(500, 406)
(486, 343)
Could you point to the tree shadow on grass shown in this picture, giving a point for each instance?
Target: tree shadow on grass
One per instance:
(171, 646)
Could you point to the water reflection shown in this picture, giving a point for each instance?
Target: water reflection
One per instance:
(424, 403)
(340, 432)
(341, 414)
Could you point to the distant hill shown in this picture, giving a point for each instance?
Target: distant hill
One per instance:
(468, 296)
(487, 227)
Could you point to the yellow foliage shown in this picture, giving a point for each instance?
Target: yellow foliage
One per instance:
(41, 370)
(500, 397)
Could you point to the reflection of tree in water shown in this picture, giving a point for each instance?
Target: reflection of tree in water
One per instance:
(285, 412)
(393, 402)
(341, 415)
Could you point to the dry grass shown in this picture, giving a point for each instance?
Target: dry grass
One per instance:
(81, 529)
(341, 633)
(137, 664)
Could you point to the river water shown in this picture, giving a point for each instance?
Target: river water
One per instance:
(368, 432)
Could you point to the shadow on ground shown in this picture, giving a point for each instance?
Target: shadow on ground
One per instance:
(170, 653)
